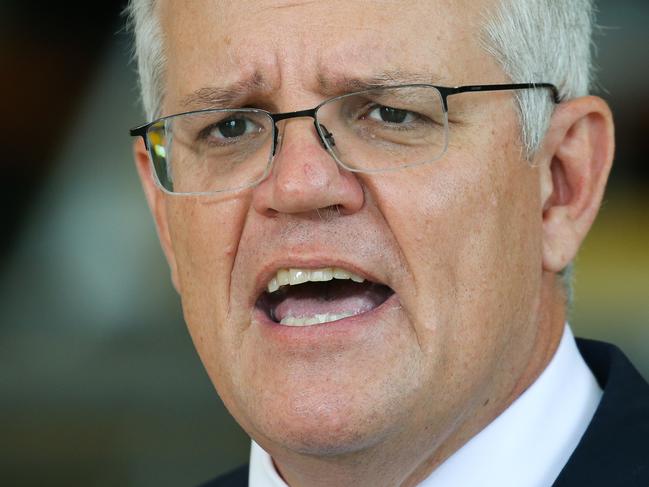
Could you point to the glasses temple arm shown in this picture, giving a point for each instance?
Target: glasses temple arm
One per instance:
(502, 87)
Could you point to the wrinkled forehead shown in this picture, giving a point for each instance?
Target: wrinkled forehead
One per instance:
(319, 46)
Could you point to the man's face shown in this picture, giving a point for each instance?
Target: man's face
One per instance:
(455, 242)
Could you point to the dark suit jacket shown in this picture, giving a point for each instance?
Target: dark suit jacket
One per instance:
(614, 451)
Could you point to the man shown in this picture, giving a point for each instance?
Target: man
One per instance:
(372, 265)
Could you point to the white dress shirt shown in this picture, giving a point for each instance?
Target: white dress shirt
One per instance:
(526, 446)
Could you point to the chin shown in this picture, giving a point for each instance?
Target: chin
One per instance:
(325, 435)
(324, 421)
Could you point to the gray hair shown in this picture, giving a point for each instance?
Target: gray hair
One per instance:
(541, 41)
(533, 40)
(142, 20)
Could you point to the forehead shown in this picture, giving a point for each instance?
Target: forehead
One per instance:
(317, 45)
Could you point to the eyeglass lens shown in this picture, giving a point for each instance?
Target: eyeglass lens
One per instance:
(371, 131)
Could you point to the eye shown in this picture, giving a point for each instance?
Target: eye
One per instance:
(233, 127)
(229, 130)
(391, 115)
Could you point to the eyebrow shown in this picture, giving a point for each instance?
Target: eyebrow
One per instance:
(378, 80)
(233, 95)
(229, 96)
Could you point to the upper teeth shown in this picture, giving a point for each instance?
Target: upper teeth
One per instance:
(298, 276)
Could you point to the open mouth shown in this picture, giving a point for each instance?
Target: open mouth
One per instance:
(304, 297)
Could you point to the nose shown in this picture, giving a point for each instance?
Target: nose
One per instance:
(305, 177)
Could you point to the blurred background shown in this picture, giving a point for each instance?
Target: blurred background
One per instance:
(99, 383)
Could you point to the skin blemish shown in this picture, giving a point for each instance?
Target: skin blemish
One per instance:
(230, 250)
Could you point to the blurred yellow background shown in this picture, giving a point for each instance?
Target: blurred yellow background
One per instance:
(100, 383)
(612, 276)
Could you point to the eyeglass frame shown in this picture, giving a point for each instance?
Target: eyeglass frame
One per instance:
(326, 138)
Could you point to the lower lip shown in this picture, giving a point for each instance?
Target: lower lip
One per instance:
(344, 329)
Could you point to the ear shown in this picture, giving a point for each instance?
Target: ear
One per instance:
(157, 203)
(576, 160)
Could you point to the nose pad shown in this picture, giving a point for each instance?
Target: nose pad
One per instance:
(325, 135)
(277, 141)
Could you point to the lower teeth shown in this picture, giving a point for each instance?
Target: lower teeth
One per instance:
(314, 320)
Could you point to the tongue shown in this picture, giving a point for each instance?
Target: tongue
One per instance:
(342, 298)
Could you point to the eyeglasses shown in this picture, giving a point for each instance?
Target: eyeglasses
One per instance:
(370, 131)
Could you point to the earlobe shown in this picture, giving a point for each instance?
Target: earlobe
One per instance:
(578, 153)
(157, 204)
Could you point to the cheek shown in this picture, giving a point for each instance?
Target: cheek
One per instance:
(205, 236)
(470, 233)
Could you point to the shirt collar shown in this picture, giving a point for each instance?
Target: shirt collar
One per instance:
(526, 446)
